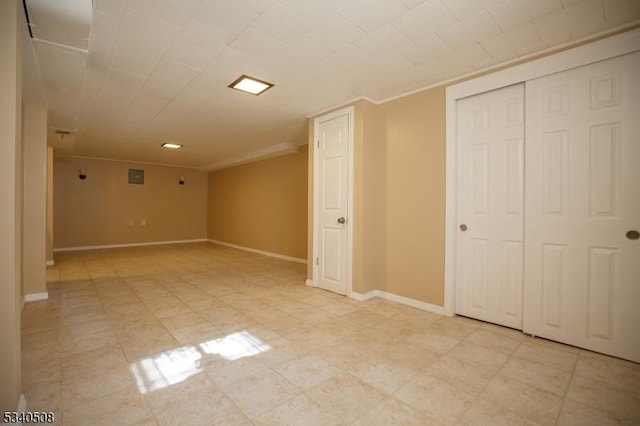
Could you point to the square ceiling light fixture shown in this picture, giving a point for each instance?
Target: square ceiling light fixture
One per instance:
(171, 145)
(250, 85)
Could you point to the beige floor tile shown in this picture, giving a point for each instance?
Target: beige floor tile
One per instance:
(464, 376)
(483, 413)
(532, 373)
(576, 414)
(84, 388)
(383, 374)
(530, 402)
(491, 359)
(346, 396)
(307, 371)
(620, 404)
(283, 350)
(261, 392)
(493, 340)
(125, 407)
(394, 412)
(300, 410)
(540, 351)
(437, 398)
(616, 373)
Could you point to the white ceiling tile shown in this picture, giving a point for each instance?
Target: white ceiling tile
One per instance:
(370, 14)
(425, 49)
(391, 64)
(146, 107)
(314, 9)
(465, 59)
(522, 37)
(546, 44)
(621, 11)
(142, 27)
(382, 41)
(113, 7)
(577, 20)
(204, 35)
(412, 4)
(190, 54)
(513, 13)
(298, 54)
(424, 20)
(122, 85)
(463, 9)
(136, 57)
(334, 32)
(258, 44)
(228, 15)
(469, 31)
(174, 11)
(349, 57)
(258, 5)
(105, 25)
(169, 78)
(283, 23)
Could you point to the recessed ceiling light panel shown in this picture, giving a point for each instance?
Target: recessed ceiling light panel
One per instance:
(250, 85)
(171, 145)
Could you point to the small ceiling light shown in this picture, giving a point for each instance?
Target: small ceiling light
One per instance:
(250, 85)
(171, 145)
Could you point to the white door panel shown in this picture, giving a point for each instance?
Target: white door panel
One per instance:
(332, 151)
(490, 205)
(582, 280)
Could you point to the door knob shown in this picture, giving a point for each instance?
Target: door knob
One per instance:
(633, 234)
(463, 227)
(341, 220)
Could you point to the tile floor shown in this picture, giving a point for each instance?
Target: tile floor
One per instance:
(203, 334)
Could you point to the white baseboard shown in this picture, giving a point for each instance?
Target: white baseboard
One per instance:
(108, 246)
(362, 297)
(265, 253)
(34, 297)
(310, 283)
(411, 302)
(22, 407)
(51, 262)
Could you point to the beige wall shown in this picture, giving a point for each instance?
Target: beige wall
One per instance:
(104, 209)
(415, 207)
(49, 240)
(34, 236)
(10, 204)
(262, 205)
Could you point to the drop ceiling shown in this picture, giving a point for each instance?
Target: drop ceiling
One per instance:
(128, 75)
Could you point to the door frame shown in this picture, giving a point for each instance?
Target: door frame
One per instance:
(349, 112)
(607, 48)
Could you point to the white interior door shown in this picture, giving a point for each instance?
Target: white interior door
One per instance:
(332, 151)
(582, 281)
(489, 264)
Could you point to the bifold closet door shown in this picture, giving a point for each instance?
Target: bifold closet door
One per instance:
(582, 255)
(489, 258)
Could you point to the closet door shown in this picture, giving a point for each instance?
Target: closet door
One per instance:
(582, 262)
(490, 206)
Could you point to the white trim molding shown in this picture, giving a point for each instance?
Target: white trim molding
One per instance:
(611, 47)
(108, 246)
(424, 306)
(34, 297)
(262, 252)
(363, 297)
(22, 407)
(51, 262)
(310, 283)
